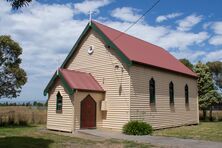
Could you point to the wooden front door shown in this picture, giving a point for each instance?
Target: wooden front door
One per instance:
(88, 113)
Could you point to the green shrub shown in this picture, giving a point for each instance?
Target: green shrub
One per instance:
(137, 128)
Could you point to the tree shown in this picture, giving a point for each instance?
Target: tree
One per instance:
(216, 69)
(12, 76)
(187, 63)
(204, 84)
(35, 103)
(46, 103)
(16, 4)
(210, 99)
(28, 104)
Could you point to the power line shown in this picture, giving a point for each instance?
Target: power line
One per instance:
(137, 20)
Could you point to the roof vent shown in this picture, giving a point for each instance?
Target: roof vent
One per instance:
(90, 49)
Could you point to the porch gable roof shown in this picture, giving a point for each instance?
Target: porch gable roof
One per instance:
(73, 80)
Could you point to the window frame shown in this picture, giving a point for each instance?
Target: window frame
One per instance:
(59, 102)
(186, 92)
(152, 91)
(171, 93)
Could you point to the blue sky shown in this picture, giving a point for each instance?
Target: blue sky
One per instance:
(47, 30)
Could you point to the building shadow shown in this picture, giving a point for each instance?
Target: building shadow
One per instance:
(24, 142)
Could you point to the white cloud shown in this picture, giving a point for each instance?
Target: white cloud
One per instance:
(126, 14)
(162, 18)
(5, 8)
(182, 40)
(216, 40)
(46, 33)
(199, 55)
(195, 55)
(217, 27)
(214, 56)
(90, 5)
(187, 23)
(161, 35)
(192, 55)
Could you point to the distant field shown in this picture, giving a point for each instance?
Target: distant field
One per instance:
(22, 115)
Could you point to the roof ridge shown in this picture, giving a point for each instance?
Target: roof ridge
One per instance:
(127, 34)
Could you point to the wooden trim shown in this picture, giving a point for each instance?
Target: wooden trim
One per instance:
(76, 45)
(63, 82)
(109, 43)
(59, 111)
(50, 83)
(65, 85)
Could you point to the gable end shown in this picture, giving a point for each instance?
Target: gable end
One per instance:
(107, 41)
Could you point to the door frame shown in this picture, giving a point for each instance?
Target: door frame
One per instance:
(81, 112)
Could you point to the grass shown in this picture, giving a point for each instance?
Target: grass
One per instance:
(34, 137)
(204, 131)
(12, 136)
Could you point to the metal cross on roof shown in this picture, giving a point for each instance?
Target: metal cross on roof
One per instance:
(90, 15)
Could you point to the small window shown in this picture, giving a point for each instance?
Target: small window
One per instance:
(186, 94)
(171, 92)
(58, 102)
(152, 91)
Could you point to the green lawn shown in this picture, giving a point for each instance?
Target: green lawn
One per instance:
(205, 131)
(35, 137)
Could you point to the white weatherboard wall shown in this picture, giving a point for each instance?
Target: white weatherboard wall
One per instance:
(162, 115)
(60, 121)
(115, 81)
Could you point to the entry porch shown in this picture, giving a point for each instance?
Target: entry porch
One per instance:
(87, 110)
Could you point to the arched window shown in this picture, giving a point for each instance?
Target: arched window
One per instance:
(171, 92)
(152, 90)
(58, 102)
(186, 89)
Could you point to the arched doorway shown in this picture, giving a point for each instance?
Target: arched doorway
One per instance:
(88, 113)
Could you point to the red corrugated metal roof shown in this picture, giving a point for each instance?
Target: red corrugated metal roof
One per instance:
(80, 80)
(140, 51)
